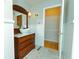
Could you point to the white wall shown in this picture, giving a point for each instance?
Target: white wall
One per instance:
(8, 9)
(52, 28)
(9, 40)
(2, 29)
(75, 50)
(68, 29)
(8, 31)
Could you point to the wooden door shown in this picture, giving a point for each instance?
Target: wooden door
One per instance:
(52, 27)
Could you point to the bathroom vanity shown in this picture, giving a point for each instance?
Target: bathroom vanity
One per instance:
(24, 38)
(23, 45)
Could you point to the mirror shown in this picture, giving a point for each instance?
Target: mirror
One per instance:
(20, 20)
(20, 16)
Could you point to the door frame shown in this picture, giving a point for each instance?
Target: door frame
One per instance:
(61, 24)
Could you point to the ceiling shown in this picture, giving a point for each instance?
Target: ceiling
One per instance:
(35, 2)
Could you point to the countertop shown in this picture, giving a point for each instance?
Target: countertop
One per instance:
(19, 35)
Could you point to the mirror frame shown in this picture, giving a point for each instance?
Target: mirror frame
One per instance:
(21, 10)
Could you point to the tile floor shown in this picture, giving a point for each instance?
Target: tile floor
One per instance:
(42, 53)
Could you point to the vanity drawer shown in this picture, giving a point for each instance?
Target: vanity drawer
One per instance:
(25, 38)
(25, 44)
(26, 50)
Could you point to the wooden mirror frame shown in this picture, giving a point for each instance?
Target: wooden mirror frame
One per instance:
(21, 10)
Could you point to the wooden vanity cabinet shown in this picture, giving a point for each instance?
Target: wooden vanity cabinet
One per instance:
(24, 45)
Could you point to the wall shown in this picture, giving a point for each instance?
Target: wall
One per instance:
(8, 9)
(52, 28)
(75, 50)
(68, 28)
(8, 30)
(9, 41)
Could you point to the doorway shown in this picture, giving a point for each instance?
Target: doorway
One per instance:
(52, 27)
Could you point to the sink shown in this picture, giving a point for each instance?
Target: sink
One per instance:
(25, 31)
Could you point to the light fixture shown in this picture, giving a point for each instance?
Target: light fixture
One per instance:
(36, 14)
(29, 14)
